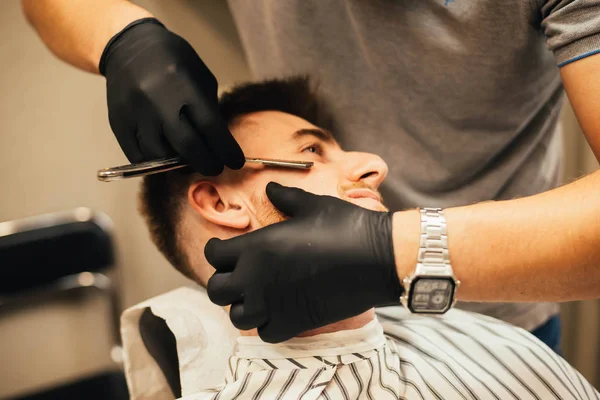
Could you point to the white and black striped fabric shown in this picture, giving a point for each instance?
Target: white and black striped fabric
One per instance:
(401, 356)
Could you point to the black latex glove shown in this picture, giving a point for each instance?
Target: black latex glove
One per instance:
(162, 100)
(332, 260)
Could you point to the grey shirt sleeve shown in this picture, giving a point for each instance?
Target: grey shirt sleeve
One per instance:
(572, 28)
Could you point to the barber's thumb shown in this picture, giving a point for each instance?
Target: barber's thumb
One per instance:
(291, 201)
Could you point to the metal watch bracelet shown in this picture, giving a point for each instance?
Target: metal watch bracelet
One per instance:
(431, 288)
(433, 245)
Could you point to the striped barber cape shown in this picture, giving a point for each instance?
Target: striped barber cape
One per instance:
(460, 355)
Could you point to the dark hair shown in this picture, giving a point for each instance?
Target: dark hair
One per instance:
(162, 195)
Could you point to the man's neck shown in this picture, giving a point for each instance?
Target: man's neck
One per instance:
(355, 322)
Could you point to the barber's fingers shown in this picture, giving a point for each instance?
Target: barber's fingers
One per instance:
(207, 120)
(223, 289)
(150, 138)
(126, 137)
(223, 254)
(273, 332)
(245, 278)
(187, 142)
(244, 289)
(249, 314)
(291, 201)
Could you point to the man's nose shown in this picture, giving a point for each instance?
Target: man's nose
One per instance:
(365, 167)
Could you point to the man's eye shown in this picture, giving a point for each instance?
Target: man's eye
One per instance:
(313, 148)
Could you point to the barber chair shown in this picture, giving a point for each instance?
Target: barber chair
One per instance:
(62, 257)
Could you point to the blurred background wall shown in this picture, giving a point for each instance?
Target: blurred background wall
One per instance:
(54, 135)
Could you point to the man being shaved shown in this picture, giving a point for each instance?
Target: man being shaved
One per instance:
(390, 354)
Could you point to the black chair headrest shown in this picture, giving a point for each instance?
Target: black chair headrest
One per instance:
(36, 256)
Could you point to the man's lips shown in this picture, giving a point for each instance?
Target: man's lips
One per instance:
(363, 193)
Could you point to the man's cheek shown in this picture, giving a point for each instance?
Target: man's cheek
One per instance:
(313, 182)
(260, 180)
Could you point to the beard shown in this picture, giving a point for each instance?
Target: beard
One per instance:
(268, 214)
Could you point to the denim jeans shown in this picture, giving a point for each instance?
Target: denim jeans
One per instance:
(549, 333)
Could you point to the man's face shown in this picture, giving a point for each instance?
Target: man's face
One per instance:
(351, 176)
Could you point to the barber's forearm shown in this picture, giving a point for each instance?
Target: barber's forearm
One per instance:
(77, 31)
(539, 248)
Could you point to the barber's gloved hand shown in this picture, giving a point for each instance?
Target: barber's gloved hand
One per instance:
(332, 260)
(162, 100)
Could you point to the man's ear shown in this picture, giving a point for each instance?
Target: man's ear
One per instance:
(212, 205)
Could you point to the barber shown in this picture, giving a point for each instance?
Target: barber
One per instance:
(462, 100)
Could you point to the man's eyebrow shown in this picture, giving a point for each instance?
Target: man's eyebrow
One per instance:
(321, 134)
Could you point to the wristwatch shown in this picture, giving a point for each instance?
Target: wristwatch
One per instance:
(432, 287)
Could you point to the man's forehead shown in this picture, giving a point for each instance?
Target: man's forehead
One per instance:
(268, 125)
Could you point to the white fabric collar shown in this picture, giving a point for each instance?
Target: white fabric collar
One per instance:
(369, 337)
(205, 341)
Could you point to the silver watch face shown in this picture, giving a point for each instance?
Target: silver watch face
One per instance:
(431, 295)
